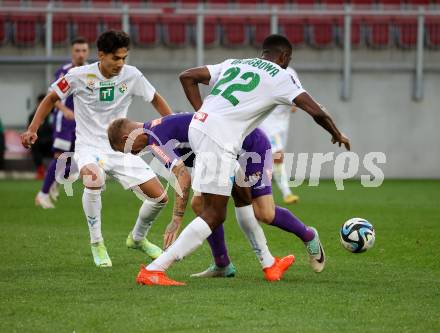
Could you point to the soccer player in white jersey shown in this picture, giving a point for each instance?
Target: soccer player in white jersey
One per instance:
(103, 91)
(244, 93)
(276, 126)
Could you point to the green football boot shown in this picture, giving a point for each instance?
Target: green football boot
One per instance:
(100, 255)
(153, 251)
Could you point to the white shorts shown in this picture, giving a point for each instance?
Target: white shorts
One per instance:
(214, 167)
(128, 169)
(278, 141)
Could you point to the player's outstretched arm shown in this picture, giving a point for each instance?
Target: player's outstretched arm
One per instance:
(29, 137)
(190, 80)
(180, 202)
(305, 102)
(161, 105)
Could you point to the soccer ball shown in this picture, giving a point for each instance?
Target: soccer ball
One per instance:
(357, 235)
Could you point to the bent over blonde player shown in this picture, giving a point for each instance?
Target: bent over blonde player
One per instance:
(244, 93)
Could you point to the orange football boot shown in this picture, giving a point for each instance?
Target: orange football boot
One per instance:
(146, 277)
(276, 271)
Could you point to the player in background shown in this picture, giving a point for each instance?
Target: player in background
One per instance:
(167, 139)
(103, 91)
(245, 91)
(276, 126)
(63, 127)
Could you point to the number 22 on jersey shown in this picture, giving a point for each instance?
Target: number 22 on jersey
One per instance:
(251, 81)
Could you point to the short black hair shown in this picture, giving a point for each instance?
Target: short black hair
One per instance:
(111, 40)
(276, 43)
(78, 40)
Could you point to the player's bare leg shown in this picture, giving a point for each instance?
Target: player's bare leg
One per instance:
(48, 193)
(282, 179)
(154, 199)
(222, 266)
(266, 212)
(94, 178)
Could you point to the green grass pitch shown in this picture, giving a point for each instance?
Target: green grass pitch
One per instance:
(49, 284)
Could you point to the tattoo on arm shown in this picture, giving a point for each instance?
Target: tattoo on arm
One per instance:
(180, 202)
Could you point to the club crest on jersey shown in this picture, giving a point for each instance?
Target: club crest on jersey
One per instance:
(63, 85)
(122, 87)
(91, 81)
(156, 122)
(200, 116)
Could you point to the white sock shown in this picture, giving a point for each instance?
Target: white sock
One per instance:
(91, 201)
(254, 233)
(280, 176)
(147, 214)
(190, 239)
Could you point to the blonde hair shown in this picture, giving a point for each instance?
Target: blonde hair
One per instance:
(115, 132)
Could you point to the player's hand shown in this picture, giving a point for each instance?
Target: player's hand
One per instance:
(342, 139)
(171, 233)
(69, 115)
(28, 138)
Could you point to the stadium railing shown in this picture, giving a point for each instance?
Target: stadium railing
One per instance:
(323, 25)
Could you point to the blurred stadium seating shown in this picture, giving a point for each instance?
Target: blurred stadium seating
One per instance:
(23, 29)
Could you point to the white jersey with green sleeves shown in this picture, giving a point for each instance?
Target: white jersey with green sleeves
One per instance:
(99, 100)
(244, 92)
(278, 120)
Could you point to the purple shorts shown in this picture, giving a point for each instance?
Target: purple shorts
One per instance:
(63, 134)
(258, 163)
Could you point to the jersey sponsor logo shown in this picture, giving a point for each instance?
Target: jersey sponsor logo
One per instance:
(122, 87)
(106, 94)
(156, 122)
(106, 84)
(63, 85)
(200, 116)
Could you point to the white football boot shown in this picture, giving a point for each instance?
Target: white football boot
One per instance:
(316, 253)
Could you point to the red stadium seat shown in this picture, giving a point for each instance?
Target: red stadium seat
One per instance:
(356, 38)
(216, 2)
(391, 2)
(378, 31)
(210, 33)
(72, 3)
(305, 3)
(277, 2)
(247, 2)
(3, 35)
(235, 31)
(432, 26)
(112, 22)
(25, 29)
(418, 2)
(333, 2)
(260, 27)
(406, 31)
(60, 29)
(293, 29)
(86, 26)
(362, 3)
(101, 3)
(145, 30)
(321, 31)
(132, 3)
(175, 30)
